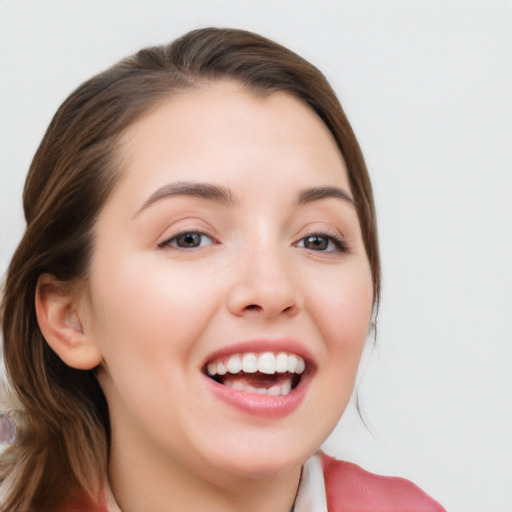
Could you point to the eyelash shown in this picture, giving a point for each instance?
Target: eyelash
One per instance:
(169, 241)
(338, 242)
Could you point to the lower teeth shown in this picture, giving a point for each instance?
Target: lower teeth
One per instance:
(281, 390)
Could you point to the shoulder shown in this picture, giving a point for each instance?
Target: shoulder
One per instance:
(350, 488)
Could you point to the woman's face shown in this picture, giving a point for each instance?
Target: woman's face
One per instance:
(231, 241)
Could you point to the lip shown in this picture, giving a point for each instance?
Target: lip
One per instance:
(263, 345)
(268, 406)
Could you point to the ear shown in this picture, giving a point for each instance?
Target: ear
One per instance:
(58, 310)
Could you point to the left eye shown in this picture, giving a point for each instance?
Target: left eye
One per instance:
(188, 240)
(318, 242)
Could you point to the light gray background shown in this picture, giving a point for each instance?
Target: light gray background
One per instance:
(427, 86)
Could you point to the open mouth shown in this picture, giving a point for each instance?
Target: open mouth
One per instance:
(267, 373)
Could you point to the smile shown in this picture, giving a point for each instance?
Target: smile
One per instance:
(267, 373)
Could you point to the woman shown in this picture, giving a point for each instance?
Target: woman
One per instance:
(184, 317)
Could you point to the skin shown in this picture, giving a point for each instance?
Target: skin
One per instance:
(154, 312)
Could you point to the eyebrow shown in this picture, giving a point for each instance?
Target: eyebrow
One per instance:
(206, 191)
(317, 193)
(221, 194)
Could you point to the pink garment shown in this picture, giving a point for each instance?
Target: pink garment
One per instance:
(352, 489)
(349, 488)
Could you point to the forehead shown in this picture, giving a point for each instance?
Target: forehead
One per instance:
(223, 132)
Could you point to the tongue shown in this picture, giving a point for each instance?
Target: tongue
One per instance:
(257, 380)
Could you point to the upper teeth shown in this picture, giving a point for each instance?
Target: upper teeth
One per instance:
(267, 362)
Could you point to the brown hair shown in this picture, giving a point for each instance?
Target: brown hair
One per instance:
(65, 441)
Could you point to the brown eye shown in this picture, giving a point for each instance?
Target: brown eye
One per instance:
(322, 243)
(316, 243)
(188, 240)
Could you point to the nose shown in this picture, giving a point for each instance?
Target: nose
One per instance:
(263, 284)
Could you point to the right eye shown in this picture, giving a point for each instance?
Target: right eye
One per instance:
(187, 240)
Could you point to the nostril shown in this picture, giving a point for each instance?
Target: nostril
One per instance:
(256, 307)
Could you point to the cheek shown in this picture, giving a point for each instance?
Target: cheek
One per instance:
(342, 309)
(149, 307)
(148, 321)
(151, 313)
(346, 301)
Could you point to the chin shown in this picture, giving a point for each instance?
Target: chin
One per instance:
(259, 460)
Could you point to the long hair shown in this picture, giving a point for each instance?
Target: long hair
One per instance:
(64, 444)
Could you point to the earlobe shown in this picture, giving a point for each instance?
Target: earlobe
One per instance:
(60, 322)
